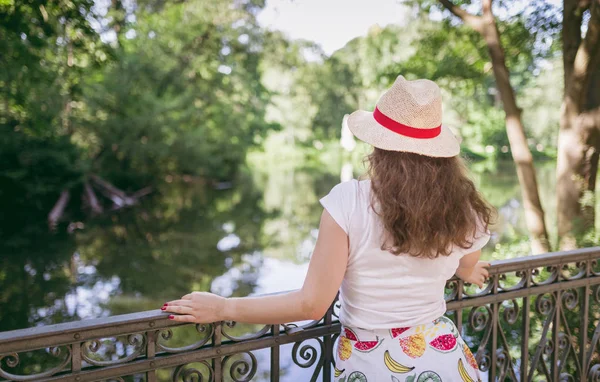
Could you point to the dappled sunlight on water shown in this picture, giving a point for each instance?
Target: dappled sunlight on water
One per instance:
(255, 237)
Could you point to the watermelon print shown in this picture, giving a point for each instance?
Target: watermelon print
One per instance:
(444, 343)
(397, 331)
(413, 346)
(345, 344)
(350, 334)
(366, 346)
(362, 346)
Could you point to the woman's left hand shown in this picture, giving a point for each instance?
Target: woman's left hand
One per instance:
(197, 307)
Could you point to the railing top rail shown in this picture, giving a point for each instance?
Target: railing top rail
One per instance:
(543, 260)
(69, 332)
(137, 322)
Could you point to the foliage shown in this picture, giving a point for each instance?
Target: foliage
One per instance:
(188, 93)
(176, 94)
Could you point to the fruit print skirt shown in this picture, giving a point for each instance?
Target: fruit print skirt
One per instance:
(432, 352)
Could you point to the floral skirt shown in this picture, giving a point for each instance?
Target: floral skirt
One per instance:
(433, 352)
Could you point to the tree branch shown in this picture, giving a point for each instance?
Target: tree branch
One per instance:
(571, 37)
(486, 6)
(469, 19)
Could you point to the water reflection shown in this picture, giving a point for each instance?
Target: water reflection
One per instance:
(177, 241)
(254, 237)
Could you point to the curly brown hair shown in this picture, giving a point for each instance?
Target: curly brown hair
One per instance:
(427, 205)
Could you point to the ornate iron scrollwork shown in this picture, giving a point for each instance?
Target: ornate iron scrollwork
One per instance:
(553, 276)
(241, 370)
(250, 336)
(452, 287)
(479, 318)
(594, 373)
(92, 347)
(12, 360)
(309, 356)
(504, 364)
(570, 299)
(544, 304)
(205, 330)
(184, 373)
(511, 311)
(521, 275)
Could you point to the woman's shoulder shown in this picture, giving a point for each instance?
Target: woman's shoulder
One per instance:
(352, 191)
(353, 185)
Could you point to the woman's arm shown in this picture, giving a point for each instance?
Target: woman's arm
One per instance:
(325, 273)
(471, 270)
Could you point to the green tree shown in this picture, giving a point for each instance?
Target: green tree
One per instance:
(182, 97)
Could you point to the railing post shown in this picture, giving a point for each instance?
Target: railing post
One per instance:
(583, 329)
(151, 336)
(459, 312)
(554, 369)
(495, 324)
(76, 357)
(216, 362)
(526, 322)
(275, 354)
(328, 348)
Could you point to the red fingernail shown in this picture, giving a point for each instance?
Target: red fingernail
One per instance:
(171, 317)
(163, 308)
(165, 304)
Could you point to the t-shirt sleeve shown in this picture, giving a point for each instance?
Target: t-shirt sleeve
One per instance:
(481, 238)
(340, 203)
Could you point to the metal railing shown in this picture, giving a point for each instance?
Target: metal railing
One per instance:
(536, 319)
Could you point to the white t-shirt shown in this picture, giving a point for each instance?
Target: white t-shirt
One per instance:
(381, 290)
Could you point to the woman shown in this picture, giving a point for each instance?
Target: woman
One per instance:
(388, 244)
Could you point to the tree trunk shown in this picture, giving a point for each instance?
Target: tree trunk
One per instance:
(534, 213)
(579, 136)
(576, 176)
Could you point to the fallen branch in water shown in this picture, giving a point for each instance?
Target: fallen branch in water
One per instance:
(119, 197)
(59, 208)
(91, 199)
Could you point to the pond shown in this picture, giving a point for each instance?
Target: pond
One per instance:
(251, 236)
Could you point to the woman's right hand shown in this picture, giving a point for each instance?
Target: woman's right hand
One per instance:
(477, 275)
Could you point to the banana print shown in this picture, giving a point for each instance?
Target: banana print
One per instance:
(463, 372)
(337, 372)
(394, 366)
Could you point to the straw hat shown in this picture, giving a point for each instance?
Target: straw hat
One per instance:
(408, 117)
